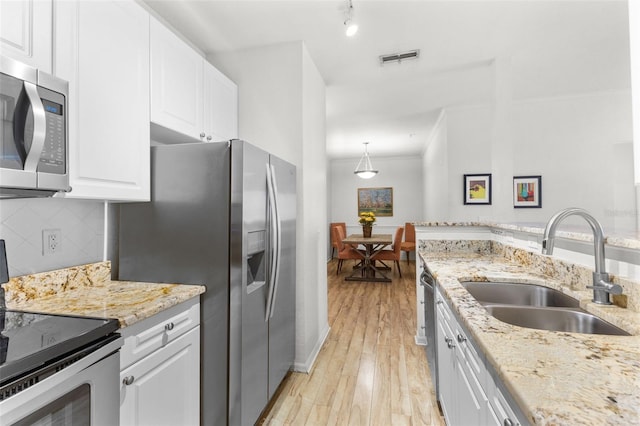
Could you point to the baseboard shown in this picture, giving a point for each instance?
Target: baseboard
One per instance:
(305, 367)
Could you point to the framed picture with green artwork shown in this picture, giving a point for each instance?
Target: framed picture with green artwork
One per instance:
(377, 200)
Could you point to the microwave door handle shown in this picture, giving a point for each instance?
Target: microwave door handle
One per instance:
(39, 127)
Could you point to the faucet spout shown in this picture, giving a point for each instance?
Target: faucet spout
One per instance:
(601, 285)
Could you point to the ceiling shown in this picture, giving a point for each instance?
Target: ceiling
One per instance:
(554, 48)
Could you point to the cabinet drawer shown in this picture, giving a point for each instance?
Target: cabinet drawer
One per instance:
(155, 332)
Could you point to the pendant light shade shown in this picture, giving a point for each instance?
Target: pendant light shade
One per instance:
(351, 27)
(365, 169)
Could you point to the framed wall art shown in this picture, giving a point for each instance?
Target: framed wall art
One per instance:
(477, 189)
(377, 200)
(527, 191)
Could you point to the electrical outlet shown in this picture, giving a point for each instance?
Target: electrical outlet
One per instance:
(51, 241)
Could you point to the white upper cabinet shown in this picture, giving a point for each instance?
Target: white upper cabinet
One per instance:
(25, 32)
(220, 105)
(176, 83)
(102, 49)
(189, 96)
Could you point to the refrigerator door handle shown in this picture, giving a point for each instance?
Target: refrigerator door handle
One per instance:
(275, 238)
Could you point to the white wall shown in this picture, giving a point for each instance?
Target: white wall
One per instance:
(403, 174)
(282, 110)
(435, 179)
(81, 224)
(580, 145)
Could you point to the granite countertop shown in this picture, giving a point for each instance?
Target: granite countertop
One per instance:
(87, 290)
(630, 240)
(555, 377)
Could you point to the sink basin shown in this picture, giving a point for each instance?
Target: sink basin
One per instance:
(554, 319)
(518, 294)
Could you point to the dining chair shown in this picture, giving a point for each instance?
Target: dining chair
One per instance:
(345, 251)
(334, 243)
(395, 252)
(409, 243)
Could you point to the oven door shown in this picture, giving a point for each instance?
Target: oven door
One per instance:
(84, 393)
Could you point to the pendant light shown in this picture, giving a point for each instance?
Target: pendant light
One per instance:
(349, 22)
(364, 168)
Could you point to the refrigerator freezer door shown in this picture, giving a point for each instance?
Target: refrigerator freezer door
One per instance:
(283, 315)
(248, 343)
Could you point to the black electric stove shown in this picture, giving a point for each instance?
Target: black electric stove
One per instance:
(36, 345)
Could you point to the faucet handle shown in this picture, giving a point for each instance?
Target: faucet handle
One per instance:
(606, 286)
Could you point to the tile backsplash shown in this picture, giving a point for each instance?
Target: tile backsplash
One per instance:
(81, 225)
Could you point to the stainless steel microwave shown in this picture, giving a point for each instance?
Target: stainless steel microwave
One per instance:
(33, 132)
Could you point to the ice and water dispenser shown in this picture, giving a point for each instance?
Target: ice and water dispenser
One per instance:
(256, 259)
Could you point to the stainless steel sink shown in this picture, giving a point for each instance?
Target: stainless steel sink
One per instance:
(518, 294)
(554, 319)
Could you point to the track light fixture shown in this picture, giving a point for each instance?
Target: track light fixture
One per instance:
(364, 168)
(349, 22)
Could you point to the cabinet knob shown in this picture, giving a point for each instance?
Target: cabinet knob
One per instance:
(128, 380)
(461, 338)
(202, 135)
(209, 138)
(439, 302)
(508, 422)
(449, 341)
(169, 326)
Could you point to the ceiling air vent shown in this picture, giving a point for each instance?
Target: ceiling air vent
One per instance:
(399, 57)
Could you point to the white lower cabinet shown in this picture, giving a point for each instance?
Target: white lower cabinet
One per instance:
(469, 393)
(160, 369)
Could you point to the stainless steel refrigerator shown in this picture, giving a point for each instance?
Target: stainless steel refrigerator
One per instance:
(223, 215)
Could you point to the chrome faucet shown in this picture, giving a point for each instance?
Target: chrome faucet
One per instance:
(601, 285)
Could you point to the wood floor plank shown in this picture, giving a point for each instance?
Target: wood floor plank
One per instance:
(369, 370)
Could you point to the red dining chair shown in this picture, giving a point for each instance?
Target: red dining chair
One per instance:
(394, 253)
(345, 251)
(409, 243)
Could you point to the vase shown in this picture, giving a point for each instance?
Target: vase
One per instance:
(366, 231)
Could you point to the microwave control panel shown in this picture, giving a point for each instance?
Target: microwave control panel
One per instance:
(54, 153)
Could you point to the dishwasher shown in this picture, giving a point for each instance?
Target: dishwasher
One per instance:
(428, 283)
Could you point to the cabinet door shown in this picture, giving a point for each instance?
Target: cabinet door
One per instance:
(164, 387)
(108, 74)
(446, 369)
(26, 31)
(220, 105)
(176, 83)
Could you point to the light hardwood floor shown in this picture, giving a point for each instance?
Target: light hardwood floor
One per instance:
(369, 371)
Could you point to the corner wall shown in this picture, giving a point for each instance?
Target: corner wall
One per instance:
(282, 110)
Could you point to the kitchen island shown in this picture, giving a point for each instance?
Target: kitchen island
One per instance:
(554, 377)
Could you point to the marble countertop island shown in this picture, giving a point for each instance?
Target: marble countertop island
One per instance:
(557, 378)
(87, 290)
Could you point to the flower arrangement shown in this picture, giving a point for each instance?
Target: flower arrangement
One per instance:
(367, 218)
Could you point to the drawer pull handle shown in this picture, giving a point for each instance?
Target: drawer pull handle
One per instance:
(128, 380)
(461, 338)
(449, 341)
(169, 326)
